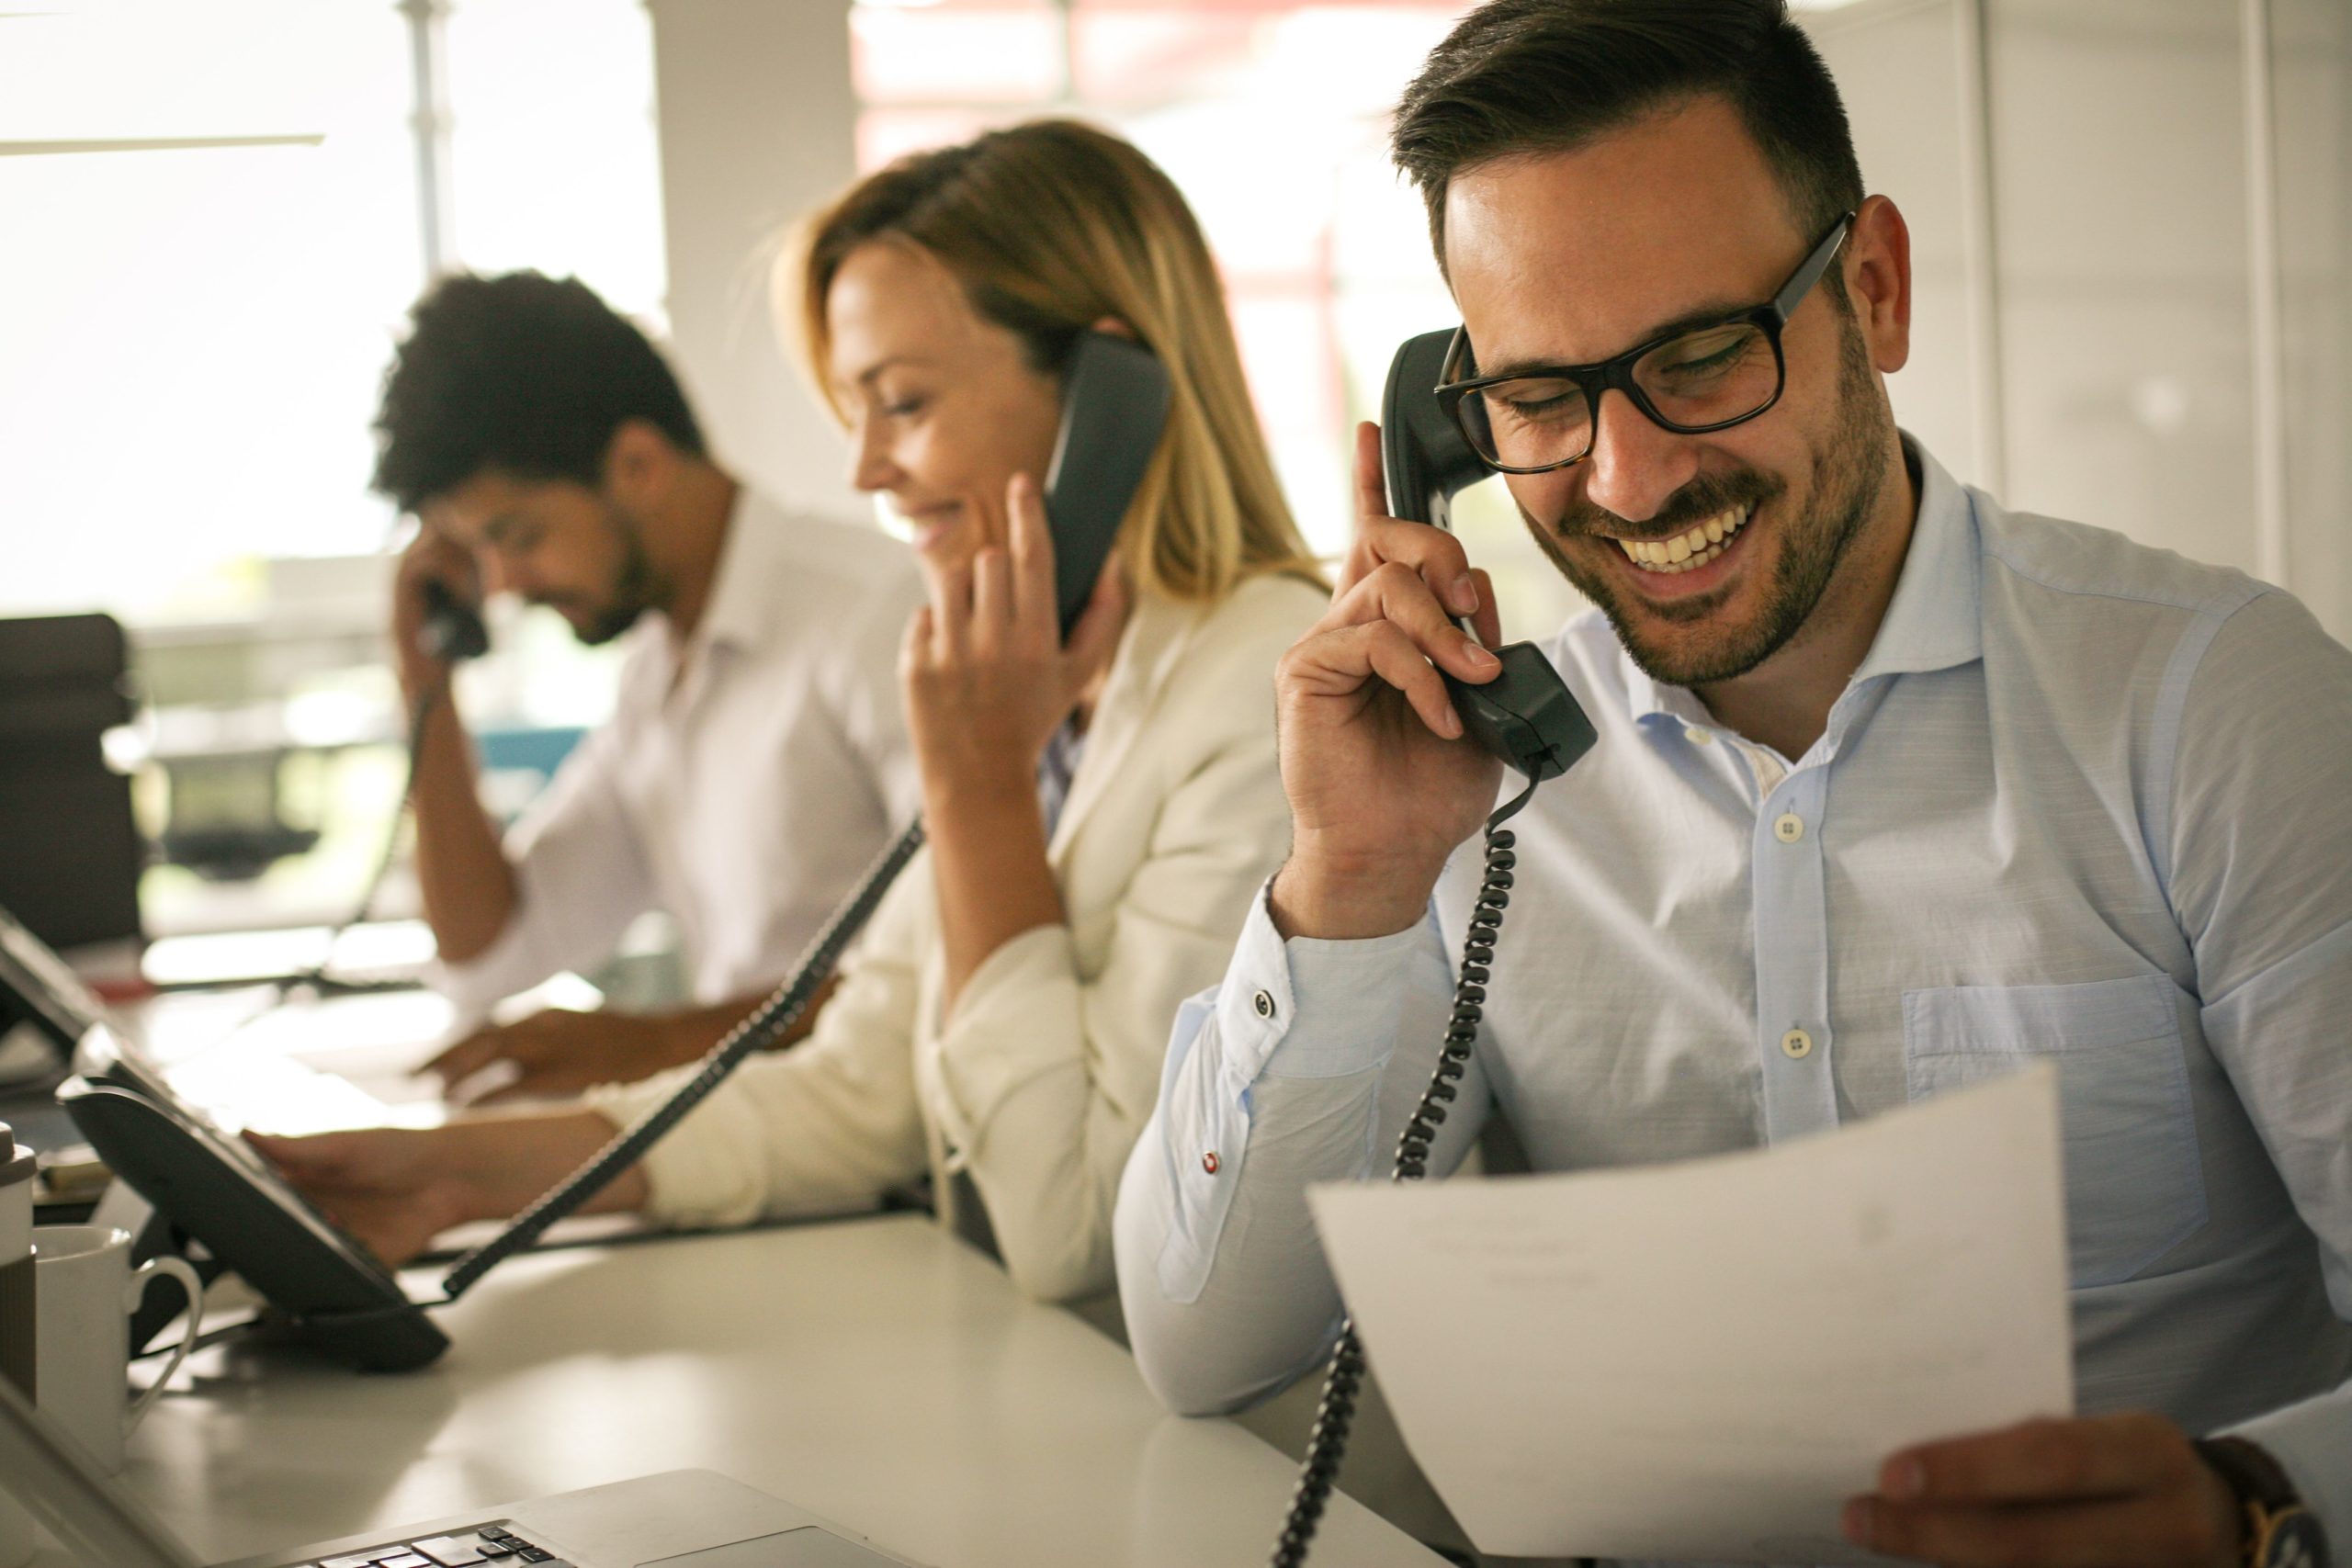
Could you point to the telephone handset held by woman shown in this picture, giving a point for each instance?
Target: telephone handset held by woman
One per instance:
(1524, 716)
(1114, 404)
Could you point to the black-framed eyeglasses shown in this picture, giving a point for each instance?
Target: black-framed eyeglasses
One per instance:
(1689, 381)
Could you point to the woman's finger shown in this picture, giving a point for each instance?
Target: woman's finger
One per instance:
(914, 646)
(325, 1157)
(1033, 552)
(951, 605)
(1095, 638)
(994, 599)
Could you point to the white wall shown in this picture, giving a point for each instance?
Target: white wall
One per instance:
(2122, 275)
(757, 125)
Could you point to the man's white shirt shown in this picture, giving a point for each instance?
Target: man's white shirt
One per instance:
(747, 775)
(2084, 801)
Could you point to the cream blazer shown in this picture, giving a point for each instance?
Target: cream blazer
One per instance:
(1042, 1078)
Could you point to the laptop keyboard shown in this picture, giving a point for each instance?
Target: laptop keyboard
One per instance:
(458, 1548)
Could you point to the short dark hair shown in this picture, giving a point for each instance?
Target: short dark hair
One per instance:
(1534, 76)
(522, 373)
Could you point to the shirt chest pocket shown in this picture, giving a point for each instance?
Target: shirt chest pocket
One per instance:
(2135, 1186)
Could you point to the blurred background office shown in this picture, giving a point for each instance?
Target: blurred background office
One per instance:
(2132, 227)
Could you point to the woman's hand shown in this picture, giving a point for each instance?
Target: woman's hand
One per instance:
(556, 1051)
(988, 678)
(988, 681)
(394, 1189)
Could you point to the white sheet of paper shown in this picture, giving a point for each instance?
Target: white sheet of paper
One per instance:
(1701, 1361)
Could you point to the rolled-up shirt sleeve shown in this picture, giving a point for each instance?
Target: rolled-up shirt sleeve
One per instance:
(1293, 1071)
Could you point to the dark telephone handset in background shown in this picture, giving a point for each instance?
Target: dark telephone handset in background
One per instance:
(1527, 716)
(451, 630)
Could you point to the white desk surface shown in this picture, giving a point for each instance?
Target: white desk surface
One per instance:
(874, 1371)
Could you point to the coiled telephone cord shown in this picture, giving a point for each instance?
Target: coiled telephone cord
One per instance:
(1327, 1445)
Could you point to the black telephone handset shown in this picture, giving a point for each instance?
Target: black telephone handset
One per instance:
(1114, 404)
(451, 630)
(1525, 715)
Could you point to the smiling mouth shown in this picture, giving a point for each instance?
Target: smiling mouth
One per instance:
(1687, 550)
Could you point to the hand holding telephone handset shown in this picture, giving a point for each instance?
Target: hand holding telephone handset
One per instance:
(448, 632)
(1525, 715)
(451, 630)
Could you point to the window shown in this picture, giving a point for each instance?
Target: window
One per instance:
(217, 218)
(216, 230)
(1272, 119)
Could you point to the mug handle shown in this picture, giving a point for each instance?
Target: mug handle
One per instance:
(133, 1293)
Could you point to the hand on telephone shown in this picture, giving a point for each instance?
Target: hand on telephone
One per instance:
(392, 1189)
(435, 575)
(395, 1188)
(558, 1051)
(1382, 786)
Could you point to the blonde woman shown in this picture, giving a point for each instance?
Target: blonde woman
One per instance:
(1100, 814)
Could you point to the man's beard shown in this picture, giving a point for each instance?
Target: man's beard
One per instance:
(1849, 474)
(637, 586)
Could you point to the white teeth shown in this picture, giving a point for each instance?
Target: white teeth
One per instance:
(1684, 551)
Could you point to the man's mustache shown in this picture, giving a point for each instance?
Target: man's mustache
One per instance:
(1702, 498)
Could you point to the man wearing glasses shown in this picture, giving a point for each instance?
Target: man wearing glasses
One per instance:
(1895, 790)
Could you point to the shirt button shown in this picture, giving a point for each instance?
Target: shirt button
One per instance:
(1789, 828)
(1796, 1045)
(1264, 1002)
(1209, 1162)
(1698, 737)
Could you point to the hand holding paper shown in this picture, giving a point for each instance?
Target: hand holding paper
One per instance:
(1705, 1360)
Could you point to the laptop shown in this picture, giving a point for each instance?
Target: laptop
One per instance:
(683, 1519)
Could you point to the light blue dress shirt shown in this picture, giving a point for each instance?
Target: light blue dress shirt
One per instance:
(2084, 801)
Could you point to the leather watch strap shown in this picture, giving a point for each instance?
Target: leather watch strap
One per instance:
(2266, 1499)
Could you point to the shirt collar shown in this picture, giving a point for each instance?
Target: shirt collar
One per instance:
(742, 611)
(1933, 622)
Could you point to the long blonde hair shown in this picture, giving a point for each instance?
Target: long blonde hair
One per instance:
(1051, 226)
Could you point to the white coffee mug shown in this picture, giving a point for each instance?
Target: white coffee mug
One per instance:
(84, 1291)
